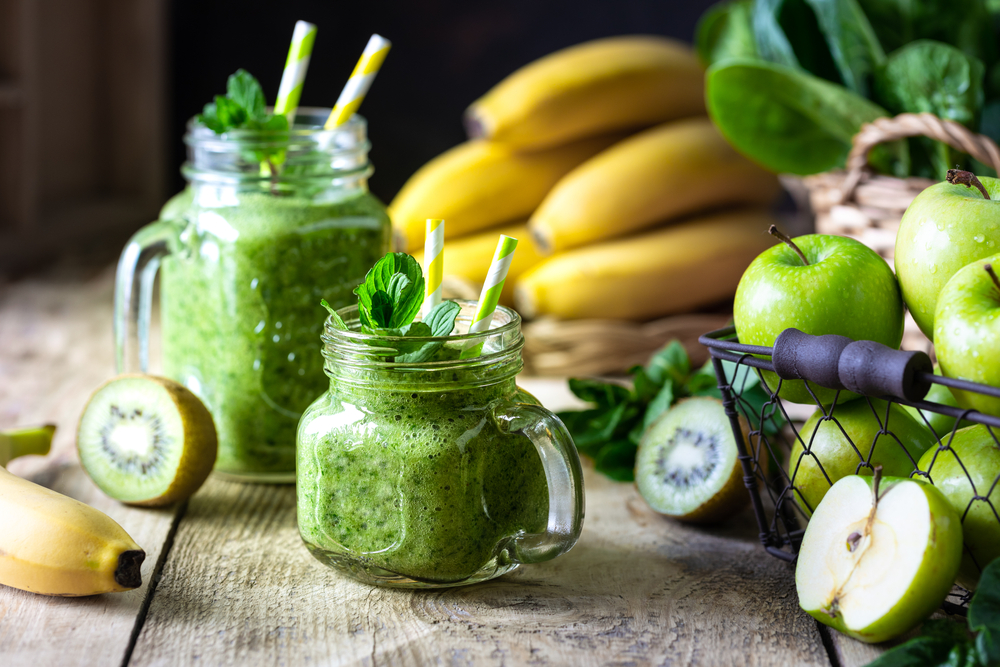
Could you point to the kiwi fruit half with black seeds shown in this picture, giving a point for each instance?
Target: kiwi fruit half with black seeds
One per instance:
(146, 440)
(687, 465)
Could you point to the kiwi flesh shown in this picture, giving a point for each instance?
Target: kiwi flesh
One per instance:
(146, 440)
(687, 465)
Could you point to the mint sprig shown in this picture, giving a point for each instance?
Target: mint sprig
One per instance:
(610, 431)
(388, 303)
(242, 107)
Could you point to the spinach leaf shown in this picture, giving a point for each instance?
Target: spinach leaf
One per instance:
(852, 42)
(787, 33)
(929, 76)
(726, 31)
(790, 121)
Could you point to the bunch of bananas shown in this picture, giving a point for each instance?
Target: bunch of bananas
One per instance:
(601, 155)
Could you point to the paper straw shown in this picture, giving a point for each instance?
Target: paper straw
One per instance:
(359, 83)
(494, 284)
(433, 263)
(294, 75)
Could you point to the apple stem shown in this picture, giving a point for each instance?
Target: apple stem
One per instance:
(993, 275)
(775, 232)
(968, 179)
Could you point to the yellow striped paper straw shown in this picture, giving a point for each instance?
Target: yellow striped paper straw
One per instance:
(359, 83)
(294, 76)
(494, 284)
(433, 263)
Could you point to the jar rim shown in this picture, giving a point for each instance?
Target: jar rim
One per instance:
(349, 314)
(198, 133)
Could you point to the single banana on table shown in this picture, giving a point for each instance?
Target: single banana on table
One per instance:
(52, 544)
(480, 184)
(665, 172)
(671, 270)
(469, 257)
(592, 88)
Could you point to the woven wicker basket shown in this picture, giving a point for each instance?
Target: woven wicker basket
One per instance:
(868, 207)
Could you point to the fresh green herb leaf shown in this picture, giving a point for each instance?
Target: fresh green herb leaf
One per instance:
(616, 459)
(790, 121)
(984, 614)
(726, 31)
(338, 321)
(244, 90)
(392, 293)
(604, 394)
(918, 652)
(853, 45)
(441, 318)
(439, 322)
(660, 404)
(671, 362)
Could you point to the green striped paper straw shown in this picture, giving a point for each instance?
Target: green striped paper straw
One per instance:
(433, 263)
(294, 76)
(361, 80)
(494, 284)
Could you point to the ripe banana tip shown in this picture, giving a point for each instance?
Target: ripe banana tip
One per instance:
(128, 574)
(475, 125)
(541, 239)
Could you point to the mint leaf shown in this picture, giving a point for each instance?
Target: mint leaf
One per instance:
(660, 404)
(670, 362)
(441, 318)
(604, 394)
(243, 89)
(229, 113)
(381, 310)
(918, 652)
(338, 321)
(984, 614)
(397, 277)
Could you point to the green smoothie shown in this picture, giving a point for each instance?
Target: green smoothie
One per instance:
(417, 480)
(241, 314)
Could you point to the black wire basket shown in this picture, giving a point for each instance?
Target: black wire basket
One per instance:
(778, 450)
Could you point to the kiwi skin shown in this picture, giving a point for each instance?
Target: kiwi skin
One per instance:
(730, 499)
(201, 444)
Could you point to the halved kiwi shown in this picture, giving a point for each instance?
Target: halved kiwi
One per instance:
(146, 440)
(687, 465)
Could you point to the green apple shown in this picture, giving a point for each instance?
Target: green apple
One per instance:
(967, 331)
(875, 568)
(945, 227)
(941, 424)
(837, 286)
(831, 452)
(970, 468)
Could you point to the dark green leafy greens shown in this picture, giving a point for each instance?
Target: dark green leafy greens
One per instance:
(945, 643)
(609, 432)
(791, 81)
(388, 303)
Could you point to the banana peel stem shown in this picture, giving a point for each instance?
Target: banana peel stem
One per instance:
(21, 442)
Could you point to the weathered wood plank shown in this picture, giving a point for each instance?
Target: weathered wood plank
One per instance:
(55, 348)
(239, 588)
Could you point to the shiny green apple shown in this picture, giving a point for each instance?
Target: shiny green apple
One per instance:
(969, 468)
(832, 453)
(945, 227)
(874, 569)
(967, 332)
(842, 287)
(941, 424)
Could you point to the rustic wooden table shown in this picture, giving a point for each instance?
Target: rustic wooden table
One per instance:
(227, 581)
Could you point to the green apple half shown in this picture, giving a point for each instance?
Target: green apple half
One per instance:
(976, 450)
(967, 332)
(945, 227)
(845, 288)
(831, 451)
(875, 569)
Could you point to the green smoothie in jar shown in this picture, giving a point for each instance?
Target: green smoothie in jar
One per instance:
(271, 223)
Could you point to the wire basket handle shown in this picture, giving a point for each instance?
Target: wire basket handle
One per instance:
(904, 125)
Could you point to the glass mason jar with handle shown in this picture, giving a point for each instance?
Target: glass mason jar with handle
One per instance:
(269, 224)
(438, 473)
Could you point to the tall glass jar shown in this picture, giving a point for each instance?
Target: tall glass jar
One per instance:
(269, 224)
(437, 473)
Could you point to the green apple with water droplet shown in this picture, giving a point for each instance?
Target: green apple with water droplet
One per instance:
(947, 226)
(878, 557)
(967, 331)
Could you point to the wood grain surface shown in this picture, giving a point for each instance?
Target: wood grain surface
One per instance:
(238, 588)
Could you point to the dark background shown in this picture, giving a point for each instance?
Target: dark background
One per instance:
(445, 54)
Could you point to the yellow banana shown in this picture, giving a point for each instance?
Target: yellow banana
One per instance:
(591, 88)
(469, 257)
(671, 270)
(665, 172)
(52, 544)
(480, 184)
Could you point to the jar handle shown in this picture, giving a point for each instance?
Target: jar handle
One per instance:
(137, 267)
(563, 474)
